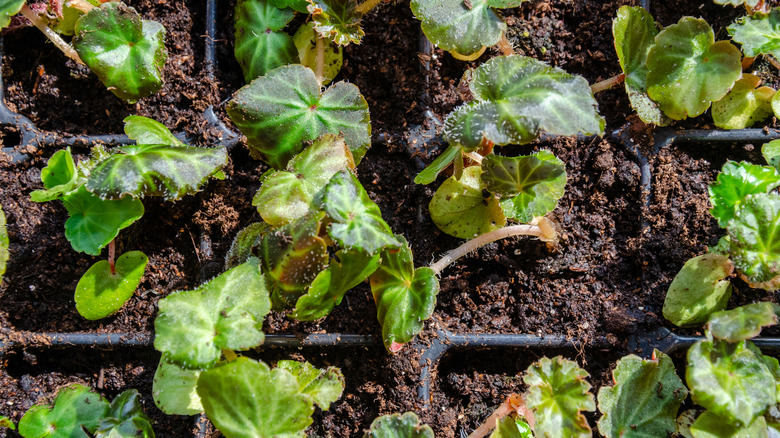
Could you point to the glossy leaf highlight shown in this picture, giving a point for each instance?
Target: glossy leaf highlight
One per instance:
(734, 183)
(755, 240)
(174, 389)
(699, 289)
(261, 45)
(759, 33)
(101, 293)
(744, 322)
(453, 25)
(94, 222)
(745, 105)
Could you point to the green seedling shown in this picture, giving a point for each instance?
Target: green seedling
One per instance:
(6, 423)
(512, 419)
(407, 425)
(104, 288)
(512, 427)
(699, 289)
(746, 3)
(261, 43)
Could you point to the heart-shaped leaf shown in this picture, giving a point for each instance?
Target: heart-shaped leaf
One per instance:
(405, 297)
(174, 389)
(127, 53)
(338, 20)
(464, 208)
(529, 185)
(94, 222)
(305, 40)
(323, 386)
(744, 322)
(245, 398)
(9, 8)
(755, 240)
(730, 380)
(462, 26)
(192, 327)
(241, 249)
(75, 409)
(645, 399)
(687, 69)
(759, 33)
(101, 292)
(516, 97)
(347, 269)
(710, 425)
(288, 194)
(698, 290)
(280, 111)
(557, 395)
(298, 5)
(745, 105)
(357, 220)
(734, 183)
(261, 45)
(4, 243)
(149, 131)
(407, 425)
(59, 177)
(156, 170)
(125, 418)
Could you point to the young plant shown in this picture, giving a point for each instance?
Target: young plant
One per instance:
(407, 425)
(126, 52)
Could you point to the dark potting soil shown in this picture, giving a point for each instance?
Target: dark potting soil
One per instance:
(604, 281)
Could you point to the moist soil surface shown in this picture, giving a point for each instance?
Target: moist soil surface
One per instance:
(605, 280)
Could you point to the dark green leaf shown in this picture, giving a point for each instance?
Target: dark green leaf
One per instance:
(464, 27)
(745, 105)
(101, 293)
(75, 407)
(149, 131)
(744, 322)
(698, 290)
(759, 33)
(710, 425)
(755, 240)
(734, 183)
(399, 426)
(127, 53)
(174, 391)
(9, 8)
(59, 177)
(192, 327)
(405, 297)
(337, 20)
(323, 386)
(94, 222)
(260, 43)
(280, 111)
(298, 5)
(241, 249)
(125, 418)
(156, 170)
(305, 40)
(429, 174)
(357, 220)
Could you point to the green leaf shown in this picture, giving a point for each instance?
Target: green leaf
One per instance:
(156, 170)
(399, 426)
(699, 289)
(75, 407)
(94, 222)
(734, 183)
(755, 240)
(744, 322)
(347, 269)
(288, 194)
(405, 297)
(9, 8)
(101, 293)
(125, 418)
(751, 3)
(509, 427)
(174, 389)
(260, 43)
(4, 243)
(557, 394)
(429, 174)
(323, 386)
(710, 425)
(6, 423)
(730, 380)
(464, 27)
(241, 249)
(66, 23)
(759, 33)
(245, 398)
(529, 185)
(645, 399)
(59, 177)
(516, 97)
(125, 52)
(149, 131)
(463, 208)
(305, 40)
(745, 105)
(338, 20)
(298, 5)
(771, 150)
(357, 220)
(192, 327)
(280, 111)
(687, 69)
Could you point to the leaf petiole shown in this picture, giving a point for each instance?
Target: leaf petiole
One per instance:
(112, 257)
(53, 36)
(513, 403)
(607, 84)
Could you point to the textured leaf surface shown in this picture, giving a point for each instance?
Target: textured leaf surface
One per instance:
(759, 33)
(357, 220)
(59, 177)
(688, 69)
(245, 398)
(174, 391)
(755, 240)
(241, 249)
(734, 183)
(709, 425)
(645, 399)
(281, 110)
(516, 97)
(101, 293)
(337, 20)
(407, 425)
(462, 208)
(9, 8)
(305, 40)
(288, 194)
(149, 131)
(298, 5)
(125, 418)
(192, 327)
(745, 105)
(771, 150)
(323, 386)
(156, 170)
(75, 407)
(557, 395)
(260, 43)
(453, 25)
(730, 380)
(4, 243)
(744, 322)
(509, 427)
(429, 174)
(698, 290)
(127, 53)
(405, 297)
(94, 222)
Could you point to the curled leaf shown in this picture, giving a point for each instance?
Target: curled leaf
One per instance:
(125, 418)
(59, 177)
(429, 174)
(698, 290)
(241, 249)
(149, 131)
(338, 20)
(755, 240)
(305, 40)
(323, 386)
(744, 322)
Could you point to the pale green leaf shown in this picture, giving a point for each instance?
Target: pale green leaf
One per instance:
(101, 293)
(323, 386)
(699, 289)
(744, 322)
(407, 425)
(174, 389)
(745, 105)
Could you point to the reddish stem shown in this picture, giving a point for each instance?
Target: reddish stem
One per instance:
(111, 257)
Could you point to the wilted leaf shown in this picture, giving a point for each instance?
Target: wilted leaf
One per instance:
(75, 407)
(101, 293)
(745, 105)
(396, 426)
(698, 290)
(323, 386)
(260, 43)
(734, 183)
(744, 322)
(174, 391)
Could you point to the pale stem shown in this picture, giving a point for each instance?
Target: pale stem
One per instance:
(230, 355)
(320, 66)
(505, 46)
(606, 84)
(513, 403)
(773, 61)
(53, 36)
(366, 6)
(475, 157)
(81, 5)
(112, 257)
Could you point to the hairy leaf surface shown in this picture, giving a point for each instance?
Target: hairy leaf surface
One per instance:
(74, 407)
(699, 289)
(101, 293)
(94, 222)
(174, 389)
(745, 105)
(744, 322)
(407, 425)
(261, 45)
(759, 33)
(464, 27)
(241, 249)
(337, 20)
(755, 240)
(463, 208)
(734, 183)
(322, 386)
(305, 40)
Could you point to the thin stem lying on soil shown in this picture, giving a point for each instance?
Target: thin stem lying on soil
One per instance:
(606, 84)
(366, 6)
(513, 403)
(53, 36)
